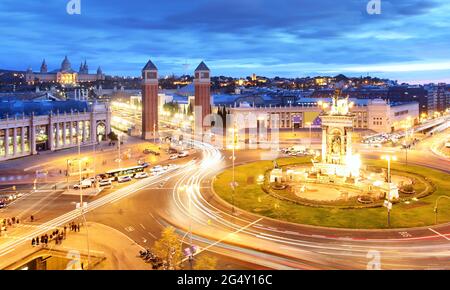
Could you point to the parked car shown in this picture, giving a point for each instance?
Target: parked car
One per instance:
(2, 204)
(123, 179)
(149, 151)
(183, 154)
(141, 175)
(173, 157)
(105, 182)
(157, 168)
(84, 184)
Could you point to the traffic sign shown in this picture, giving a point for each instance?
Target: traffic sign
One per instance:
(387, 204)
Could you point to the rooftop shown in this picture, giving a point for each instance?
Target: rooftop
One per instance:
(39, 108)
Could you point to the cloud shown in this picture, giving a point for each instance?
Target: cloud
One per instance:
(235, 37)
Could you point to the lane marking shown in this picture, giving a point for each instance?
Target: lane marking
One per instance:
(142, 226)
(224, 238)
(439, 234)
(129, 229)
(7, 252)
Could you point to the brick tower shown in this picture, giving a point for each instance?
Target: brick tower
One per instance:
(149, 101)
(202, 82)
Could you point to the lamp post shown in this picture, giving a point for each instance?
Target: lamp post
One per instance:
(233, 148)
(188, 191)
(387, 202)
(389, 158)
(310, 136)
(81, 197)
(407, 141)
(119, 137)
(436, 207)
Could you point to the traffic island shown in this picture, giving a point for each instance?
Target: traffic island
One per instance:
(414, 208)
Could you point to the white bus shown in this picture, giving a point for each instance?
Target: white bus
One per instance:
(116, 173)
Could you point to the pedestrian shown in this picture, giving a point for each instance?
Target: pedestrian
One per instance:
(33, 242)
(32, 218)
(37, 241)
(78, 227)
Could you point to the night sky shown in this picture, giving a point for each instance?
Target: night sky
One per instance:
(408, 41)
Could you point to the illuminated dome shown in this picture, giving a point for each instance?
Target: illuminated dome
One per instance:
(65, 65)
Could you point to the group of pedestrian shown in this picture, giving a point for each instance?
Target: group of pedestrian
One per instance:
(58, 235)
(8, 222)
(74, 227)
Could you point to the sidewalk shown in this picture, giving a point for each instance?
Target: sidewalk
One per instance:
(109, 250)
(23, 170)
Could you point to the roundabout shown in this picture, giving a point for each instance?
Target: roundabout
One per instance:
(332, 205)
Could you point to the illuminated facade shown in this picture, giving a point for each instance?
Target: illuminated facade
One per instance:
(376, 115)
(65, 75)
(51, 125)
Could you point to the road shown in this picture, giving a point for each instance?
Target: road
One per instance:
(184, 200)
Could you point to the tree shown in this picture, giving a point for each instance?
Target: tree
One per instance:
(205, 262)
(168, 248)
(113, 136)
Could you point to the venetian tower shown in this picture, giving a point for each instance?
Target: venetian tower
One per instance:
(149, 101)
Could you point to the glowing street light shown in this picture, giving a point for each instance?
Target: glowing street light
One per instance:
(389, 158)
(310, 140)
(233, 147)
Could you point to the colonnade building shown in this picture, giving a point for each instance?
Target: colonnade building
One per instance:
(29, 127)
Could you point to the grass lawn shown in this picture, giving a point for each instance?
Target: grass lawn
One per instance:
(249, 196)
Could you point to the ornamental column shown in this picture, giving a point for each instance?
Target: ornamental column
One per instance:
(6, 142)
(32, 136)
(71, 133)
(324, 144)
(14, 141)
(22, 139)
(84, 132)
(64, 134)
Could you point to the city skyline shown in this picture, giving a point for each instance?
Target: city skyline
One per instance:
(406, 42)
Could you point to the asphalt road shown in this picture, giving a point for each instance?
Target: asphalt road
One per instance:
(242, 240)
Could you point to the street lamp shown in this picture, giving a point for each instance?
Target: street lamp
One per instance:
(188, 191)
(387, 202)
(389, 158)
(310, 137)
(233, 146)
(436, 207)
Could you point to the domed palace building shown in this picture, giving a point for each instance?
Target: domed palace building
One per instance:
(64, 75)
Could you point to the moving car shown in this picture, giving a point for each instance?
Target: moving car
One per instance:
(149, 151)
(183, 154)
(141, 175)
(157, 168)
(122, 179)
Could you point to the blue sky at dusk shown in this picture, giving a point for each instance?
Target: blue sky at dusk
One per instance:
(408, 41)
